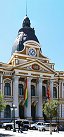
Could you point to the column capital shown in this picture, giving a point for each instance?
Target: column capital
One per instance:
(16, 77)
(28, 77)
(40, 79)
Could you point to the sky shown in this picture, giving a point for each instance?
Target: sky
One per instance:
(47, 18)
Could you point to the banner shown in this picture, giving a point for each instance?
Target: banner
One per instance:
(48, 91)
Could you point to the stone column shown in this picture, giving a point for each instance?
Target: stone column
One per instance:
(15, 95)
(39, 93)
(62, 89)
(28, 108)
(1, 84)
(11, 88)
(51, 88)
(62, 110)
(59, 88)
(62, 98)
(2, 91)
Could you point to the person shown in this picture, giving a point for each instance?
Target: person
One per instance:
(57, 128)
(19, 126)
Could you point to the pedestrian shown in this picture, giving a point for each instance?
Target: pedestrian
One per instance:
(19, 126)
(57, 128)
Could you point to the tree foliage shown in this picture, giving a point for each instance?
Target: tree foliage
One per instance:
(2, 102)
(50, 108)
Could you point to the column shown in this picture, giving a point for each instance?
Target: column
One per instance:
(62, 110)
(1, 84)
(62, 98)
(62, 90)
(11, 88)
(2, 91)
(28, 108)
(15, 95)
(51, 88)
(39, 104)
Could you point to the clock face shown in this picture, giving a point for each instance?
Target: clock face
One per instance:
(32, 52)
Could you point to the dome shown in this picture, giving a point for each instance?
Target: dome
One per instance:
(24, 34)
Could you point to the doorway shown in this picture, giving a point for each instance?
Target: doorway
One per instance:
(33, 112)
(21, 111)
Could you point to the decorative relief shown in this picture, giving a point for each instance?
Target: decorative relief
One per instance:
(7, 73)
(35, 67)
(28, 68)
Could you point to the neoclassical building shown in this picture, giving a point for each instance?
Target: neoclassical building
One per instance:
(28, 62)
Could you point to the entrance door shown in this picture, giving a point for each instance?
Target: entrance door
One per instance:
(33, 112)
(21, 111)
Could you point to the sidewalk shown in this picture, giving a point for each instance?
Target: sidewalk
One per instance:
(29, 133)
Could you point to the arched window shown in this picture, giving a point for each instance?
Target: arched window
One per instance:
(7, 112)
(54, 92)
(32, 90)
(7, 89)
(20, 89)
(43, 91)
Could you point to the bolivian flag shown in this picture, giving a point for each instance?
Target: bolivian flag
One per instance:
(26, 94)
(48, 92)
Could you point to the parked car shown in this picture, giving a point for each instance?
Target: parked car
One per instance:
(36, 125)
(4, 121)
(9, 126)
(47, 127)
(25, 124)
(61, 128)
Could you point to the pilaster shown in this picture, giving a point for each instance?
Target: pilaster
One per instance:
(51, 88)
(1, 84)
(39, 93)
(15, 95)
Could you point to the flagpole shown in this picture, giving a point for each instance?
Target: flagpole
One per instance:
(26, 7)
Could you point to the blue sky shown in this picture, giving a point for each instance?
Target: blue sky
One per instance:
(47, 18)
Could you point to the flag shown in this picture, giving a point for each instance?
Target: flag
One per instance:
(48, 92)
(26, 94)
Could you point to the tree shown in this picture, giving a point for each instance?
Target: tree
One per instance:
(2, 102)
(50, 110)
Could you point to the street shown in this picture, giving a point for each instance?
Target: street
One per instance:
(29, 133)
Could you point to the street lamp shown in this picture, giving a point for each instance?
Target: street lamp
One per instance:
(13, 108)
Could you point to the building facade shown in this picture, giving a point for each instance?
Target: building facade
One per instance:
(28, 62)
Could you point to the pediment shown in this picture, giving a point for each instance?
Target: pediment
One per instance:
(35, 65)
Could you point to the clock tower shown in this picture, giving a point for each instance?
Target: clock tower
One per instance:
(26, 33)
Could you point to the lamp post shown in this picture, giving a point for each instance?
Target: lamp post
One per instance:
(13, 108)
